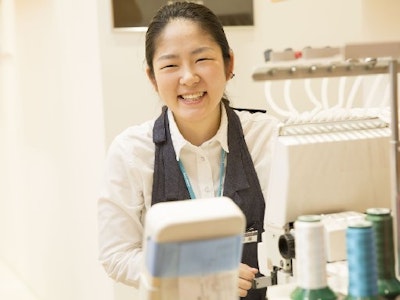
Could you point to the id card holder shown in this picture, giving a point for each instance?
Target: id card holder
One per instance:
(250, 236)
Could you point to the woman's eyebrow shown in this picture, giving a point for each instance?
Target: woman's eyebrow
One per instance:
(194, 52)
(201, 49)
(167, 56)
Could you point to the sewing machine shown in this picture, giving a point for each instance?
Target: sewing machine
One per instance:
(336, 168)
(330, 166)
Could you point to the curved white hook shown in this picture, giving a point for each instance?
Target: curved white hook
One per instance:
(287, 98)
(353, 91)
(324, 93)
(373, 90)
(341, 91)
(270, 100)
(311, 96)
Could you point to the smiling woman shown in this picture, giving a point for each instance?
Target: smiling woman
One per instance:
(138, 13)
(198, 147)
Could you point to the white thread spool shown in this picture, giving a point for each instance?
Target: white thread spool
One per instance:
(310, 252)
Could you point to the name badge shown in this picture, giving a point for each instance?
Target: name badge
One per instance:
(250, 236)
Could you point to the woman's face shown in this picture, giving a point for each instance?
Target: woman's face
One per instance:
(189, 72)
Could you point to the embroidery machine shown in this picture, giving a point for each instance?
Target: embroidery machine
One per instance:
(336, 164)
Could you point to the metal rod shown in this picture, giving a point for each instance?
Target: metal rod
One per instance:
(393, 69)
(320, 71)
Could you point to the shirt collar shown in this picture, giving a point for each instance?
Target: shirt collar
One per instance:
(179, 141)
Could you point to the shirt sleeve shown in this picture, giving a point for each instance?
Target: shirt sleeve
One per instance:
(120, 210)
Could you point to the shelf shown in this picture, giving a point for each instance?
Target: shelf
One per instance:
(320, 70)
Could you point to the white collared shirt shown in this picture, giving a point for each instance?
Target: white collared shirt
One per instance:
(128, 181)
(202, 163)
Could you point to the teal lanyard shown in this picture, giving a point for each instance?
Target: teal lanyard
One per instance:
(221, 175)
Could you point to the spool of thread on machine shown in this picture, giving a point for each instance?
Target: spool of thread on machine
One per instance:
(361, 259)
(382, 223)
(310, 260)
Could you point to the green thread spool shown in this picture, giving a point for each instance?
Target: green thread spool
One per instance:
(382, 223)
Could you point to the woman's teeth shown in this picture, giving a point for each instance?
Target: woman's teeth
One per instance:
(193, 96)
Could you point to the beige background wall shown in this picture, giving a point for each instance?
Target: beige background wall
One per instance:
(51, 147)
(69, 84)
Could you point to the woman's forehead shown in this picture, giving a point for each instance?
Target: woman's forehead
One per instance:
(184, 34)
(182, 26)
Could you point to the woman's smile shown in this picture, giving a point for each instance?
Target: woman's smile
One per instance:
(192, 98)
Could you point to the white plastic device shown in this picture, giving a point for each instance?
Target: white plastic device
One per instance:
(192, 250)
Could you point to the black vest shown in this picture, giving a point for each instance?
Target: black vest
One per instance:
(241, 181)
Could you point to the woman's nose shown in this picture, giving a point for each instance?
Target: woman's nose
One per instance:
(189, 77)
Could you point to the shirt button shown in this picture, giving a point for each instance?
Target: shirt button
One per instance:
(207, 189)
(202, 158)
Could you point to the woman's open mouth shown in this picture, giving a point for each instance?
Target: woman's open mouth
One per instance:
(192, 97)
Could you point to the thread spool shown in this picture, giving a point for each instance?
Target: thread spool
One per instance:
(310, 260)
(361, 259)
(382, 223)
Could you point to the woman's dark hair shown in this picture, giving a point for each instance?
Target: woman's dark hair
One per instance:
(200, 14)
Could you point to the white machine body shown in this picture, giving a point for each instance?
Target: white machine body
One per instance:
(336, 173)
(192, 250)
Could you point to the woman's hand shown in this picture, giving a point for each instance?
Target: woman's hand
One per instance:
(246, 276)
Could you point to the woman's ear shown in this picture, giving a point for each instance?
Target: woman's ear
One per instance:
(230, 66)
(152, 79)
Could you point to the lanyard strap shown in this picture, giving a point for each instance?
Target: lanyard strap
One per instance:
(221, 176)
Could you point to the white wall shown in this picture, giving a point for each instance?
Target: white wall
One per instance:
(53, 146)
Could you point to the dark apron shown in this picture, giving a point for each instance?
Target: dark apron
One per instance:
(241, 181)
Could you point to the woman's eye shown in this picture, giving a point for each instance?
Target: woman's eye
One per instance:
(168, 66)
(203, 59)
